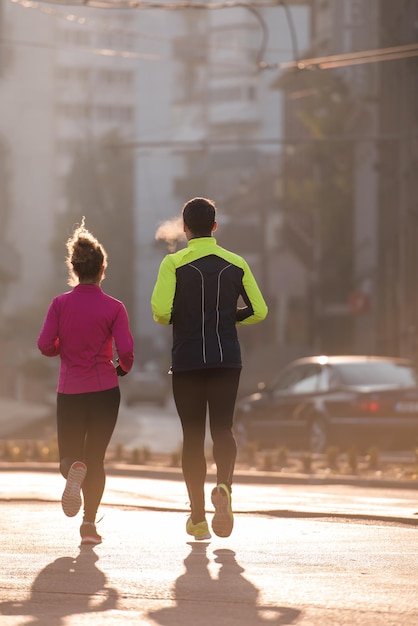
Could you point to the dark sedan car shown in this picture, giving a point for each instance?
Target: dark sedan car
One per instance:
(334, 400)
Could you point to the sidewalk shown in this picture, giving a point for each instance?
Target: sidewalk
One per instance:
(265, 493)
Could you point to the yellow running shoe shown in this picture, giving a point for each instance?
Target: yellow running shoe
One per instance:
(223, 520)
(199, 531)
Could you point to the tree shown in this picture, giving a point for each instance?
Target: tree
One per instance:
(100, 186)
(9, 258)
(318, 186)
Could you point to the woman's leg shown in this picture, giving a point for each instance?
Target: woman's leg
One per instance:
(101, 420)
(189, 391)
(71, 429)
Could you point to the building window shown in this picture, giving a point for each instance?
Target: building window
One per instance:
(233, 93)
(73, 37)
(72, 74)
(73, 111)
(117, 78)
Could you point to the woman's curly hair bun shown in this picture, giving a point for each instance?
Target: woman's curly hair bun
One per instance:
(85, 256)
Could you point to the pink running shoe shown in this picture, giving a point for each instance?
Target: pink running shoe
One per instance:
(89, 534)
(71, 497)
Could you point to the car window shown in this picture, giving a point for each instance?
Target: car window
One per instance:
(324, 379)
(376, 373)
(309, 381)
(299, 379)
(334, 378)
(288, 378)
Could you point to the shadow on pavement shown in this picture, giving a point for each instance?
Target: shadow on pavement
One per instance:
(67, 586)
(229, 599)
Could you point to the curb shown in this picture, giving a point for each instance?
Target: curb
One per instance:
(240, 476)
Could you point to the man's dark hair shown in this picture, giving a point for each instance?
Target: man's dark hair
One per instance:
(199, 216)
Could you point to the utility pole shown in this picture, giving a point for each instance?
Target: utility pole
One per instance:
(1, 38)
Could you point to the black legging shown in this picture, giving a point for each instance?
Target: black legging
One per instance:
(85, 423)
(193, 392)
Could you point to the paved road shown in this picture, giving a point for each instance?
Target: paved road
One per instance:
(148, 425)
(163, 489)
(303, 554)
(278, 566)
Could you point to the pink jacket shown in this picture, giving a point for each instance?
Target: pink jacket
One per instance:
(80, 327)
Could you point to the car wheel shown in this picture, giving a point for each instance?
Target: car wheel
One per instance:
(317, 434)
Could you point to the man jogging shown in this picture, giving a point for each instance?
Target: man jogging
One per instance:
(197, 291)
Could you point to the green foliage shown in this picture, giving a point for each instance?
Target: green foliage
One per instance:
(373, 458)
(332, 454)
(24, 450)
(306, 460)
(119, 452)
(9, 259)
(250, 452)
(136, 457)
(5, 187)
(175, 458)
(352, 458)
(268, 462)
(319, 180)
(140, 456)
(282, 456)
(100, 186)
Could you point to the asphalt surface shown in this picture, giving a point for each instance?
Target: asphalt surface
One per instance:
(148, 571)
(274, 493)
(307, 550)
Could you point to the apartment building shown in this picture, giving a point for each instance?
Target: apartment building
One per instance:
(179, 93)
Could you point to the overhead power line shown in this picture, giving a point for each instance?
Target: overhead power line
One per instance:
(202, 145)
(349, 58)
(252, 7)
(170, 6)
(323, 62)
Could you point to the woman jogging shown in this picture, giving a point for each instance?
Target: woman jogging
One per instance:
(82, 326)
(198, 291)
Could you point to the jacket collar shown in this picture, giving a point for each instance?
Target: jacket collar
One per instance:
(200, 241)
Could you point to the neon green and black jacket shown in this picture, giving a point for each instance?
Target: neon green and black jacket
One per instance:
(197, 291)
